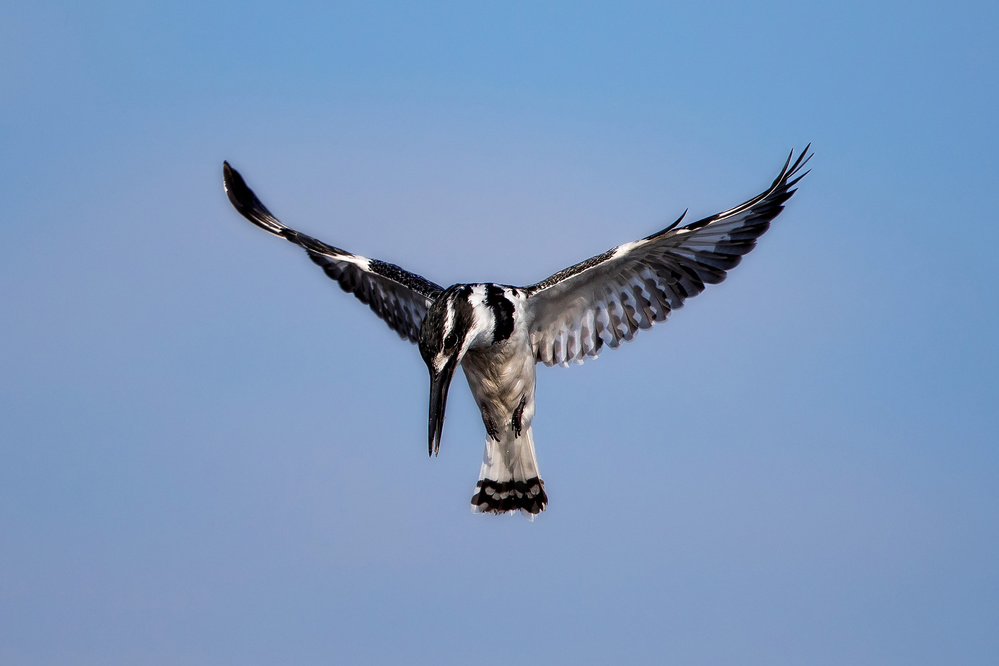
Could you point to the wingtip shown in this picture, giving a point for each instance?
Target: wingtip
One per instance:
(230, 180)
(239, 192)
(803, 157)
(678, 221)
(795, 173)
(246, 202)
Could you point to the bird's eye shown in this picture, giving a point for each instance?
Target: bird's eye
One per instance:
(450, 341)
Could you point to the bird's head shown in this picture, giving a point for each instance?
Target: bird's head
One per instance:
(448, 330)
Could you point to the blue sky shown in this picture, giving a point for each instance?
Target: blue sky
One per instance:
(210, 455)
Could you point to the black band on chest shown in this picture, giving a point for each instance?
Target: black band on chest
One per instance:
(502, 309)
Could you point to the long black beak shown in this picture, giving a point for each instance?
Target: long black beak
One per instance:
(439, 384)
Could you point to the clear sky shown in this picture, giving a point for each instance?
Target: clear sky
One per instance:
(211, 455)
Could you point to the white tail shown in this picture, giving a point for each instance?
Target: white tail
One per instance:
(509, 478)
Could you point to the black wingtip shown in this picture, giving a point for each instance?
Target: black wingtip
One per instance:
(789, 175)
(240, 195)
(678, 220)
(227, 172)
(246, 202)
(803, 158)
(787, 163)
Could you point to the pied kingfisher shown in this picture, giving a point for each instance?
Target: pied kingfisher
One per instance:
(497, 333)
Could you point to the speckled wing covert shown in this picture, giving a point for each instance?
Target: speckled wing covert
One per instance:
(399, 297)
(609, 298)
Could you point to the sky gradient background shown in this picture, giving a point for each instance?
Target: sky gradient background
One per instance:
(211, 455)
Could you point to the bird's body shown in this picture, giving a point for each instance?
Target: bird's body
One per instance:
(487, 326)
(498, 333)
(501, 376)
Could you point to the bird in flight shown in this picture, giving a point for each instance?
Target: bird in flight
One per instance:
(497, 333)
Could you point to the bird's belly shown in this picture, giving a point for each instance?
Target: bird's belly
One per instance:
(501, 378)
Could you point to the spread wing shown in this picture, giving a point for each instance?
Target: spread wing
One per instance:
(399, 297)
(609, 298)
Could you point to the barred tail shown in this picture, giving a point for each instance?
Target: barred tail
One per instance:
(509, 478)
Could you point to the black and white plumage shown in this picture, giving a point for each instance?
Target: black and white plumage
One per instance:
(498, 333)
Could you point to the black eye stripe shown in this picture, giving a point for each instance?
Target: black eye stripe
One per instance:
(450, 341)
